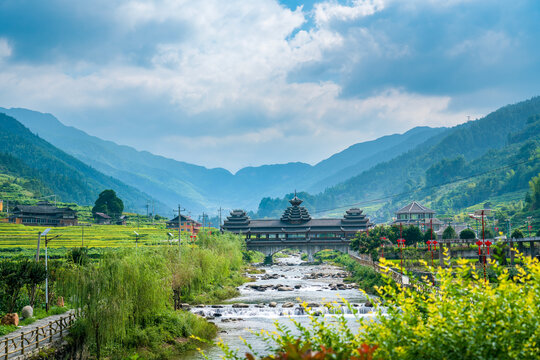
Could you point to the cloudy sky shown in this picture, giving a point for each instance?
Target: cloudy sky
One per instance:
(243, 82)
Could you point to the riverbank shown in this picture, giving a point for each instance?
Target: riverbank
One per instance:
(128, 296)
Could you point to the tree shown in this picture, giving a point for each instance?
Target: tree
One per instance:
(488, 234)
(517, 234)
(532, 198)
(449, 233)
(467, 234)
(429, 236)
(412, 235)
(15, 276)
(108, 203)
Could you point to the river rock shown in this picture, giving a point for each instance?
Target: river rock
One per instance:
(313, 305)
(285, 288)
(259, 306)
(298, 286)
(316, 313)
(273, 304)
(217, 306)
(185, 306)
(240, 306)
(10, 319)
(288, 305)
(368, 304)
(27, 312)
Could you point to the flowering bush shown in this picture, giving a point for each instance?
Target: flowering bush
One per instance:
(463, 317)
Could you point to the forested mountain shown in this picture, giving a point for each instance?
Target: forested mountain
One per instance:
(25, 155)
(198, 188)
(506, 137)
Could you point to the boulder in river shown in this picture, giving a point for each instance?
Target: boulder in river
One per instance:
(298, 286)
(288, 305)
(240, 306)
(285, 288)
(273, 304)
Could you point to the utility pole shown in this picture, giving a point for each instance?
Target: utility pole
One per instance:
(147, 206)
(179, 230)
(153, 212)
(203, 221)
(220, 218)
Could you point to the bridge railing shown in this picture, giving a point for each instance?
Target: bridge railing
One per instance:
(25, 342)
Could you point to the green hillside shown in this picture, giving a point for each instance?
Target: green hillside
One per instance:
(46, 169)
(200, 189)
(507, 139)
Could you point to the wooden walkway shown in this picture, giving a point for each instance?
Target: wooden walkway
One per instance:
(29, 339)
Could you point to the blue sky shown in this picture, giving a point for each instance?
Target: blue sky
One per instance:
(241, 83)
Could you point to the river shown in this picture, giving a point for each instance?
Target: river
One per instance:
(261, 303)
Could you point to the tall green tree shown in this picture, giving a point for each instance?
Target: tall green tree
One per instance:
(449, 233)
(467, 234)
(108, 203)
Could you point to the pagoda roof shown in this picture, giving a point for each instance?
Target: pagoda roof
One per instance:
(415, 208)
(296, 219)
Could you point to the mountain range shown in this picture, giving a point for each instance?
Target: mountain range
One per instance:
(201, 189)
(393, 168)
(503, 147)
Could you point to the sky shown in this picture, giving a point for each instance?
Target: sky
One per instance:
(243, 83)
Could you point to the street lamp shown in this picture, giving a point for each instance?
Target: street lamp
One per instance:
(46, 269)
(432, 244)
(529, 219)
(485, 243)
(383, 239)
(401, 245)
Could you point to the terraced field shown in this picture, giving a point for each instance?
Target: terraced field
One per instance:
(95, 236)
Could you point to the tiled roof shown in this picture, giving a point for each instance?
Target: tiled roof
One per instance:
(415, 208)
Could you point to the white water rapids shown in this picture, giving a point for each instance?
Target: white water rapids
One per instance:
(314, 284)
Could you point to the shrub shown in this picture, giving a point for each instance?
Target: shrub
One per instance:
(463, 318)
(467, 234)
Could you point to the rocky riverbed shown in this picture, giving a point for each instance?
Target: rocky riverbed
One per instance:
(275, 295)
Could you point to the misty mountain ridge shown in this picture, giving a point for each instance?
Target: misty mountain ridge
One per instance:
(201, 189)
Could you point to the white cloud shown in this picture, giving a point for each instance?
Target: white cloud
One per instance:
(328, 11)
(5, 49)
(233, 58)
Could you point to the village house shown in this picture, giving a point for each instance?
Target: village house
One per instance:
(187, 224)
(418, 215)
(43, 214)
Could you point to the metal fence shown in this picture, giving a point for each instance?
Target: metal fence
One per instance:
(29, 341)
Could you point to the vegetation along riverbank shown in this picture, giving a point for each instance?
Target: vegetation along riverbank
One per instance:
(126, 298)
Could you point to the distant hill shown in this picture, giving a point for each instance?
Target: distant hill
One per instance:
(201, 189)
(28, 156)
(505, 136)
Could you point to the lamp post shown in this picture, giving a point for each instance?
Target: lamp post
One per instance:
(47, 270)
(401, 245)
(483, 243)
(432, 244)
(383, 239)
(529, 218)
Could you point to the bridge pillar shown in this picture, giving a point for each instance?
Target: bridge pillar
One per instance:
(441, 260)
(268, 260)
(533, 253)
(520, 247)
